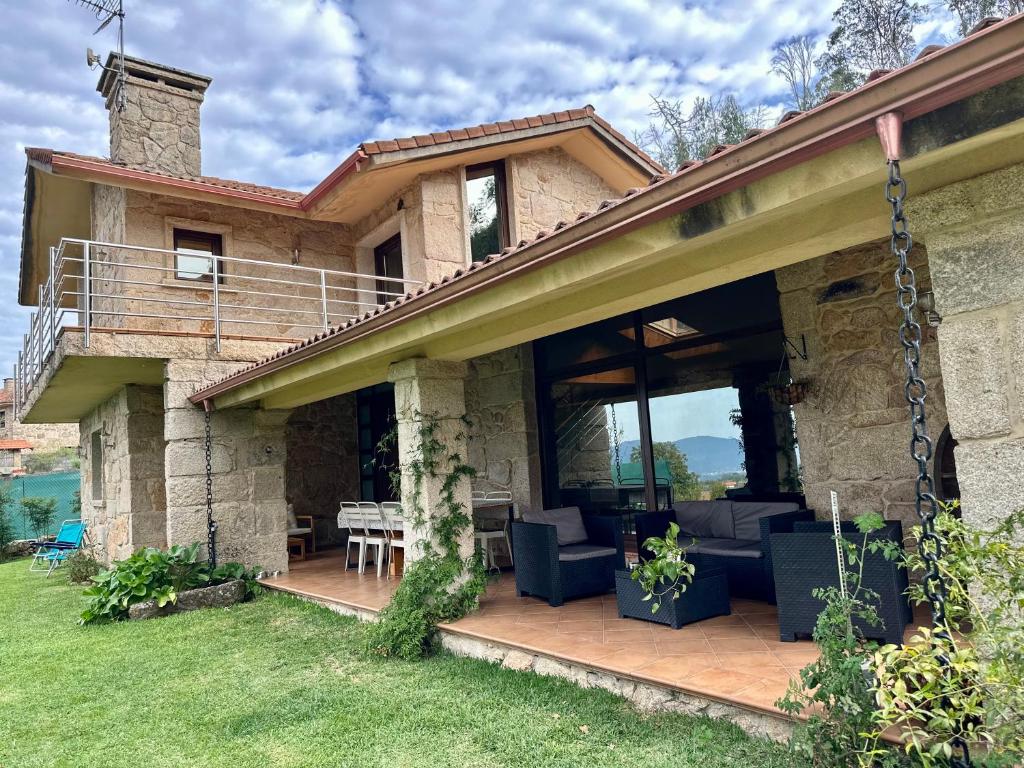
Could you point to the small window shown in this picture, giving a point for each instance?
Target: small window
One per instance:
(3, 419)
(387, 262)
(96, 456)
(192, 255)
(488, 212)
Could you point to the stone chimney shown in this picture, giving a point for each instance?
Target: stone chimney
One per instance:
(158, 130)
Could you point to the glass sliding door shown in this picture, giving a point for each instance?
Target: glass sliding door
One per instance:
(596, 459)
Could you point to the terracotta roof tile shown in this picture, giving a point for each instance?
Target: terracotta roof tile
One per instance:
(14, 445)
(46, 156)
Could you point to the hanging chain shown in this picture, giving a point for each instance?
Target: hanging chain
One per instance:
(915, 391)
(211, 526)
(615, 444)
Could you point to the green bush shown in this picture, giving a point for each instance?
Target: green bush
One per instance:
(81, 566)
(41, 512)
(156, 574)
(6, 526)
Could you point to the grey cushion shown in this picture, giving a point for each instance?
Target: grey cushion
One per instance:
(705, 518)
(292, 522)
(575, 552)
(299, 531)
(747, 516)
(568, 522)
(727, 548)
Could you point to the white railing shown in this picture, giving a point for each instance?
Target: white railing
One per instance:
(97, 287)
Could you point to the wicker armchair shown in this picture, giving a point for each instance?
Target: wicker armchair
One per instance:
(576, 568)
(806, 559)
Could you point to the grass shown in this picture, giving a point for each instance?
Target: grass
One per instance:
(278, 682)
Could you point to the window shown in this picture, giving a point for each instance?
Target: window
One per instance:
(3, 419)
(488, 213)
(96, 461)
(387, 262)
(192, 255)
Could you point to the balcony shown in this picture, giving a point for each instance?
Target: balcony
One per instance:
(97, 287)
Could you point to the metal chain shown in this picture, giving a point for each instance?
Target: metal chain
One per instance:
(915, 391)
(615, 444)
(211, 525)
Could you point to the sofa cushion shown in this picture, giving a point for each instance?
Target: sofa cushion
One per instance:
(574, 552)
(568, 522)
(299, 531)
(747, 516)
(292, 522)
(727, 548)
(705, 518)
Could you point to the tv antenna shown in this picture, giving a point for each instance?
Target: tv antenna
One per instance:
(107, 11)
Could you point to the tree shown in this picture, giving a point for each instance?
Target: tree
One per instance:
(970, 12)
(40, 511)
(6, 526)
(869, 35)
(685, 484)
(793, 60)
(483, 222)
(675, 135)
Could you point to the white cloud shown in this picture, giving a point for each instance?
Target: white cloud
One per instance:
(297, 84)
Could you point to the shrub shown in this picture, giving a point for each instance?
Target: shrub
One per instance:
(40, 511)
(6, 526)
(155, 574)
(81, 566)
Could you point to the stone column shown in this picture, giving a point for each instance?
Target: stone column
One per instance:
(248, 465)
(433, 389)
(974, 232)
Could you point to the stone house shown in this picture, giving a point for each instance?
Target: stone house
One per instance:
(17, 438)
(153, 280)
(599, 290)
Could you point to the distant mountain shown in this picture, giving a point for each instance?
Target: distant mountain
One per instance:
(705, 455)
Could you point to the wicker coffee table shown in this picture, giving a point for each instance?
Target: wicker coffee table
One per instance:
(707, 596)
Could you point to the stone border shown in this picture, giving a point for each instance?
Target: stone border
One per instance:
(645, 697)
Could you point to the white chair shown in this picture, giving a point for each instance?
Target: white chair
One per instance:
(374, 534)
(394, 527)
(486, 539)
(350, 519)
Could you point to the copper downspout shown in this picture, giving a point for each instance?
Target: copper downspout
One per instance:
(889, 128)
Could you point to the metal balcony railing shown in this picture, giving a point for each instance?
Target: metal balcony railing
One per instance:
(98, 287)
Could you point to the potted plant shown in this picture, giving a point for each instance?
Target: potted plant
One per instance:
(789, 393)
(667, 589)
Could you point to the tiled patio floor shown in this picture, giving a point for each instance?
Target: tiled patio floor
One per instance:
(737, 659)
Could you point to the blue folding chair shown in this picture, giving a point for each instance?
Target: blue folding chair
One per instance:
(50, 554)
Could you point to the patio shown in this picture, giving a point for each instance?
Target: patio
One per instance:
(737, 660)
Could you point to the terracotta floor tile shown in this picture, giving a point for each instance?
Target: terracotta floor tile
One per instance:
(627, 635)
(628, 660)
(754, 661)
(732, 632)
(718, 680)
(683, 645)
(730, 645)
(585, 625)
(673, 669)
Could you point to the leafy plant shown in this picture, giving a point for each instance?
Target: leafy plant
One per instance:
(40, 512)
(834, 690)
(156, 574)
(978, 695)
(6, 526)
(667, 573)
(440, 585)
(81, 566)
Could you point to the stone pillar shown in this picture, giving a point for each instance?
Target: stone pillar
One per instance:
(504, 446)
(123, 499)
(248, 465)
(430, 389)
(974, 232)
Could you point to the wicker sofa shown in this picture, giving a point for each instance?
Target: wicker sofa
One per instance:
(562, 553)
(731, 535)
(805, 559)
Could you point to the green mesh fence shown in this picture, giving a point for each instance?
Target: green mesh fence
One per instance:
(62, 486)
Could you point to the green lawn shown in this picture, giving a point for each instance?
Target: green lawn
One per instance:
(278, 682)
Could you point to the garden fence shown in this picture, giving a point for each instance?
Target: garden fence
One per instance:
(62, 486)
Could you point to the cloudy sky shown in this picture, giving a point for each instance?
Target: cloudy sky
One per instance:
(298, 83)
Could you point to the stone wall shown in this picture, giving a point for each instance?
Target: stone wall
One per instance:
(853, 427)
(248, 469)
(131, 512)
(550, 186)
(503, 438)
(975, 238)
(322, 465)
(44, 437)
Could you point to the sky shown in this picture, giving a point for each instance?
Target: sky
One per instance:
(687, 415)
(297, 84)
